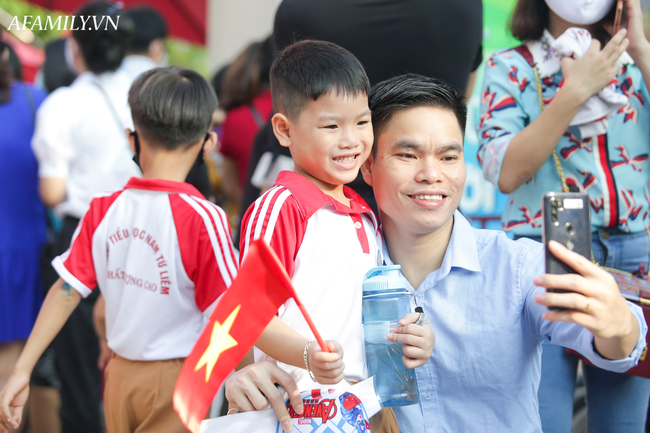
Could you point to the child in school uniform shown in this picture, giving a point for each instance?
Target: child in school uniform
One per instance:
(324, 233)
(159, 252)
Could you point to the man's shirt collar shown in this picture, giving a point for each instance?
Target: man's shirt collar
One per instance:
(461, 251)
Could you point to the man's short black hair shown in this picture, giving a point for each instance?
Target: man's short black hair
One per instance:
(172, 106)
(149, 26)
(411, 91)
(103, 47)
(308, 69)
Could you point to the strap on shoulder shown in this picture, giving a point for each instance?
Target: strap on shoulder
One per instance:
(526, 54)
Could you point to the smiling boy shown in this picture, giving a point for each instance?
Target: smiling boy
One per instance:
(322, 231)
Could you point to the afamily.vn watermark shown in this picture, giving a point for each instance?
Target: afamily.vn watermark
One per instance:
(65, 22)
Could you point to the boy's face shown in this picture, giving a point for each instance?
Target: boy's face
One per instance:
(418, 172)
(330, 140)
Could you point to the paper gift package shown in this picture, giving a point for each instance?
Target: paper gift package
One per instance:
(341, 408)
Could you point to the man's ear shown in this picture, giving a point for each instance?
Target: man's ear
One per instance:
(366, 170)
(282, 129)
(210, 143)
(131, 139)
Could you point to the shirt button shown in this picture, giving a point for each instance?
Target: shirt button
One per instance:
(357, 225)
(427, 396)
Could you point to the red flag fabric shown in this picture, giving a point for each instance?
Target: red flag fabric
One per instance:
(261, 287)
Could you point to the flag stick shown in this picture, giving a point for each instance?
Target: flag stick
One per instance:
(268, 254)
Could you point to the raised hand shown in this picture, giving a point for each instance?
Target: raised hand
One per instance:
(594, 303)
(587, 75)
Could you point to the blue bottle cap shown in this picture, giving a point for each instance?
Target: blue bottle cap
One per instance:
(384, 278)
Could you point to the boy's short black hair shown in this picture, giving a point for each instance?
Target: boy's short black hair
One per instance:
(172, 106)
(411, 91)
(308, 69)
(149, 26)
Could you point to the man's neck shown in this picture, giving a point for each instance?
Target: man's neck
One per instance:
(418, 254)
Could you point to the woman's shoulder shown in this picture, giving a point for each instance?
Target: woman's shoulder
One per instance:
(509, 57)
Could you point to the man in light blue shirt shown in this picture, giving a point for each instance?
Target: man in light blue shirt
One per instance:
(484, 293)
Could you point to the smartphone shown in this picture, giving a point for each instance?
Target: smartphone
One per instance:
(566, 219)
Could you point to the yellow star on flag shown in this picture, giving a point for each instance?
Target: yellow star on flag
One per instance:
(220, 341)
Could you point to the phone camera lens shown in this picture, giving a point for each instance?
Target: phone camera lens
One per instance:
(570, 229)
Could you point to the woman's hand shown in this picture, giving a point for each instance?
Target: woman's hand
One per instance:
(587, 75)
(639, 47)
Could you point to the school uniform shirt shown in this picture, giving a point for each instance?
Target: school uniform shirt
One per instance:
(326, 248)
(79, 137)
(161, 255)
(484, 373)
(612, 168)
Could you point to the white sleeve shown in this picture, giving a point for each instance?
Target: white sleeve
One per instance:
(52, 142)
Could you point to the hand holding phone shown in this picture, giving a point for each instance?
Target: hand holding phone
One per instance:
(567, 221)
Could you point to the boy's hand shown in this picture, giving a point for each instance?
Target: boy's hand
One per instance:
(13, 398)
(417, 340)
(105, 354)
(326, 367)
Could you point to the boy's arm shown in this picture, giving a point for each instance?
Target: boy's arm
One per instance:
(286, 345)
(99, 320)
(59, 303)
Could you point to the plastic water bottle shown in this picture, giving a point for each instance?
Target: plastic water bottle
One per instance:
(385, 301)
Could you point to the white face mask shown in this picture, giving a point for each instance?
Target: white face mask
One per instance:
(581, 12)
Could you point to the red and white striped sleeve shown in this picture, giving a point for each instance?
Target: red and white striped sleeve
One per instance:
(276, 218)
(76, 266)
(206, 248)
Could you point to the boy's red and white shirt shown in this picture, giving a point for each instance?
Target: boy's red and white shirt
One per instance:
(161, 255)
(326, 248)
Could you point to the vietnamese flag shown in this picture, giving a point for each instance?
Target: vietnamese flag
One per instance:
(239, 318)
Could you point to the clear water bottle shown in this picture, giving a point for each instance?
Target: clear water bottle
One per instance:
(385, 301)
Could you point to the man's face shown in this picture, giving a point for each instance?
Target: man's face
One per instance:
(418, 172)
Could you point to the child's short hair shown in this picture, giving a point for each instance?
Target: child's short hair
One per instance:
(308, 69)
(172, 106)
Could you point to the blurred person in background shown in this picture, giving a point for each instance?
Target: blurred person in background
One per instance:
(607, 158)
(147, 47)
(147, 51)
(55, 71)
(82, 151)
(22, 229)
(246, 98)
